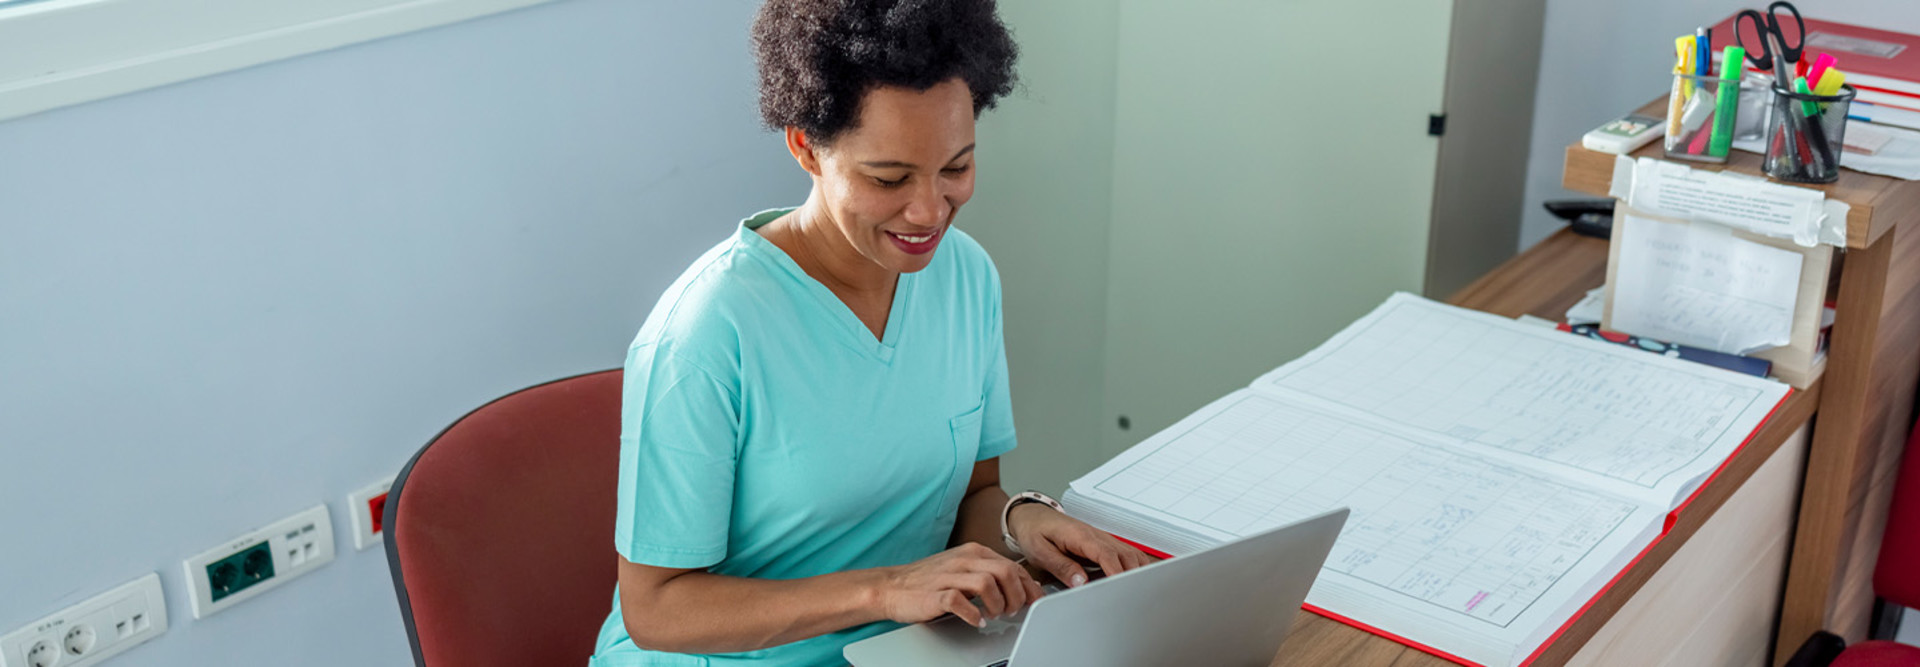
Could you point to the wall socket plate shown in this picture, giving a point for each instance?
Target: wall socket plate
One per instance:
(104, 626)
(259, 561)
(367, 506)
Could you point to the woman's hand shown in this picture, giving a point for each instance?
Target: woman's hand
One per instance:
(943, 583)
(1052, 540)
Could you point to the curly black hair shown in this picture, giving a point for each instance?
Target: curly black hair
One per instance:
(819, 58)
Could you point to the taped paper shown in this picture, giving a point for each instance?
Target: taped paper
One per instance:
(1735, 200)
(1697, 284)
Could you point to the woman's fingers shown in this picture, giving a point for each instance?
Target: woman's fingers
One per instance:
(986, 587)
(1101, 552)
(1034, 592)
(1048, 557)
(955, 602)
(1013, 584)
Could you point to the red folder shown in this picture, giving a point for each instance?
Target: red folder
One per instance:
(1874, 60)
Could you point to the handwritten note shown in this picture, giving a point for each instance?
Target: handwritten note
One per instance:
(1697, 284)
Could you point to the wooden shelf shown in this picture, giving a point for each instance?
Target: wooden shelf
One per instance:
(1875, 199)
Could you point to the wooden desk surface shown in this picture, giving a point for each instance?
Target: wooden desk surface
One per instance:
(1878, 202)
(1544, 281)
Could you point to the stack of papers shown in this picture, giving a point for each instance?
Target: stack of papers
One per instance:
(1499, 474)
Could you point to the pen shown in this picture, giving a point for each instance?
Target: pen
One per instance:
(1683, 51)
(1819, 69)
(1807, 107)
(1703, 51)
(1816, 134)
(1729, 100)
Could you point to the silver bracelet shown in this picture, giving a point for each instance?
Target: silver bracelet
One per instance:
(1022, 499)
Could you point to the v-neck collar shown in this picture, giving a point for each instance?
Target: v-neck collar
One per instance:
(858, 335)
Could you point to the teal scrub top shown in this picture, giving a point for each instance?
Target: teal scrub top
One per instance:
(766, 433)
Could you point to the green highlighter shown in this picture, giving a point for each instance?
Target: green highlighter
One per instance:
(1722, 139)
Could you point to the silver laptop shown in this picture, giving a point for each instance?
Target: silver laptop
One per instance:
(1229, 605)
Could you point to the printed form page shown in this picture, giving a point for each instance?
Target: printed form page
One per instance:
(1455, 551)
(1619, 419)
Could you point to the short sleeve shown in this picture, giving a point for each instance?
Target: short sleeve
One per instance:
(996, 420)
(678, 451)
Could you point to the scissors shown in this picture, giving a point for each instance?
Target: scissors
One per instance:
(1771, 49)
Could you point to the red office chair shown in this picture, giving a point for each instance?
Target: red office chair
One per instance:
(1896, 580)
(500, 530)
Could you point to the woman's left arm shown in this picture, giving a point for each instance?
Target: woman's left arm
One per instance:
(1050, 539)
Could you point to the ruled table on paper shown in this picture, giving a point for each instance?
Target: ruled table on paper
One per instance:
(1457, 533)
(1641, 419)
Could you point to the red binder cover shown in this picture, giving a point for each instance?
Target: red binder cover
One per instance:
(1666, 527)
(1874, 60)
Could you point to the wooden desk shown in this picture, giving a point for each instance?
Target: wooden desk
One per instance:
(1543, 282)
(1866, 408)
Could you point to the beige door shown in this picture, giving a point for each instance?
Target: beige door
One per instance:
(1273, 180)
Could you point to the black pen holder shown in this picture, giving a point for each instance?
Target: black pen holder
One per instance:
(1806, 134)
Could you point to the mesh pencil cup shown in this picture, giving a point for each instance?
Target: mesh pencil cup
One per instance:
(1806, 134)
(1700, 118)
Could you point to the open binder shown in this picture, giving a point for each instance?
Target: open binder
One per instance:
(1501, 475)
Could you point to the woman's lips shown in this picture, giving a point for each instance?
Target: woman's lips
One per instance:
(917, 244)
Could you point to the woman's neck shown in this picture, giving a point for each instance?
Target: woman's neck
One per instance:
(810, 236)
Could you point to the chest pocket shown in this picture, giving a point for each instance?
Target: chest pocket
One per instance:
(966, 445)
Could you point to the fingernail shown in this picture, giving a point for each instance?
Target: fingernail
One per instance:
(1078, 579)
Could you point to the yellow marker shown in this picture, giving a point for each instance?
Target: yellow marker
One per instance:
(1830, 83)
(1683, 49)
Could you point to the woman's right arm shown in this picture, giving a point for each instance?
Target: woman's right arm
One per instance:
(694, 611)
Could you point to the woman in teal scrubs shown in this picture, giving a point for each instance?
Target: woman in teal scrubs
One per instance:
(815, 410)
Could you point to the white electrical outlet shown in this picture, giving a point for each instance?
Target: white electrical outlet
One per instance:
(259, 561)
(92, 631)
(367, 506)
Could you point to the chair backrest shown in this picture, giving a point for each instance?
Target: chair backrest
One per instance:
(500, 530)
(1896, 577)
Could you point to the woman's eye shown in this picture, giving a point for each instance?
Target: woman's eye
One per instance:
(956, 171)
(890, 184)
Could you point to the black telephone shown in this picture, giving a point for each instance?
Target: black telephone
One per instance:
(1589, 217)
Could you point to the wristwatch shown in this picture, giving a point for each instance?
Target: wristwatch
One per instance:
(1022, 499)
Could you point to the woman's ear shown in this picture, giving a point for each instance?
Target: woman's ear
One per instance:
(803, 150)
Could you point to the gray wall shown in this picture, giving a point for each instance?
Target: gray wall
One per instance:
(1042, 207)
(1601, 60)
(230, 299)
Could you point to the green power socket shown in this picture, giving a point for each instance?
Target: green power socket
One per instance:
(235, 573)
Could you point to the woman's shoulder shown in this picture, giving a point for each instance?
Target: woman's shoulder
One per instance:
(701, 313)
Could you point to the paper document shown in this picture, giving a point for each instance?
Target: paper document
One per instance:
(1619, 415)
(1464, 535)
(1590, 309)
(1699, 285)
(1498, 473)
(1736, 200)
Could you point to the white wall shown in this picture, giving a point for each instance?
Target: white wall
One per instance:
(230, 299)
(1601, 60)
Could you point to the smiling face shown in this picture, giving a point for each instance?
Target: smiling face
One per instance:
(889, 187)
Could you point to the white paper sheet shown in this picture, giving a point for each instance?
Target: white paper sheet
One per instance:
(1697, 284)
(1751, 203)
(1438, 543)
(1590, 309)
(1498, 473)
(1636, 424)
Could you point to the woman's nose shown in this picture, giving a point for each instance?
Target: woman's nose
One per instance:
(929, 206)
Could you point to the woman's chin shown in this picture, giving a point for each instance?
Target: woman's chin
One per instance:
(912, 263)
